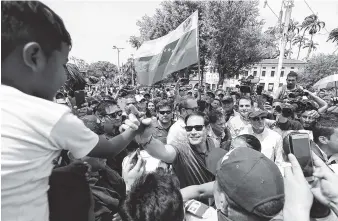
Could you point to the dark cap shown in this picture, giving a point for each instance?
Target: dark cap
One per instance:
(228, 98)
(257, 113)
(250, 179)
(211, 94)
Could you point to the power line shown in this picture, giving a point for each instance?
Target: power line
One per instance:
(266, 4)
(314, 13)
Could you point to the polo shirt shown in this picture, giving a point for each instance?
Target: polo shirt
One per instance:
(33, 133)
(190, 166)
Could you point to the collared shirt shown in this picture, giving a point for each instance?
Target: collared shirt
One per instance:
(190, 166)
(160, 132)
(271, 142)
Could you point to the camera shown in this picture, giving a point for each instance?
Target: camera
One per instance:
(297, 93)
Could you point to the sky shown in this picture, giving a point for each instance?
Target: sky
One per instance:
(97, 26)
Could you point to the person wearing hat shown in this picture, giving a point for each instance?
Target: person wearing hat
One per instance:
(228, 107)
(255, 191)
(220, 94)
(271, 141)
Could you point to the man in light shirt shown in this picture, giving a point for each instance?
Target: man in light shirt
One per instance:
(271, 141)
(238, 123)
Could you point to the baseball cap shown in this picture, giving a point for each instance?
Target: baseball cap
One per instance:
(257, 113)
(250, 179)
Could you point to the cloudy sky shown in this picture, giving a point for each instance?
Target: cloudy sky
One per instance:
(96, 26)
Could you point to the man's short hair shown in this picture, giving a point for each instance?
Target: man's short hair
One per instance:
(246, 98)
(292, 74)
(101, 107)
(164, 103)
(325, 126)
(31, 21)
(200, 114)
(215, 115)
(251, 140)
(154, 196)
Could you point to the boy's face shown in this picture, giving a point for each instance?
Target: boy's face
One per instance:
(48, 74)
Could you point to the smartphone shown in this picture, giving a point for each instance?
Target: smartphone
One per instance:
(300, 147)
(197, 208)
(80, 98)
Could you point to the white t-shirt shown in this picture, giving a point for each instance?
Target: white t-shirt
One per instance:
(271, 142)
(236, 124)
(33, 133)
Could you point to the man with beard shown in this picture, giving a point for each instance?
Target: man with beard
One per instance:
(307, 120)
(271, 141)
(291, 85)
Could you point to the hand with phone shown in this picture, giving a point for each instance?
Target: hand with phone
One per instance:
(325, 187)
(298, 196)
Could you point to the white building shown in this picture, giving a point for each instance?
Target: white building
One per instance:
(265, 71)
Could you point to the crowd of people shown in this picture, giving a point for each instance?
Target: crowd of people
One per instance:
(153, 154)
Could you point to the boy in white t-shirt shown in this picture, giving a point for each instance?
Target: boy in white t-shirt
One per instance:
(35, 46)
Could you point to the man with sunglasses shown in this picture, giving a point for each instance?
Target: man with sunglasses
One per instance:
(271, 141)
(164, 120)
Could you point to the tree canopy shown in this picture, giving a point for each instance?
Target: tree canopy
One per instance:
(318, 67)
(230, 34)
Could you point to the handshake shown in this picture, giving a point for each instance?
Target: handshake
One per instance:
(143, 127)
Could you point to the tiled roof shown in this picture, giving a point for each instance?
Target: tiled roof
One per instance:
(285, 61)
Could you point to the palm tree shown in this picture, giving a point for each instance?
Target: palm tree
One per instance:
(299, 40)
(313, 25)
(333, 35)
(293, 30)
(312, 46)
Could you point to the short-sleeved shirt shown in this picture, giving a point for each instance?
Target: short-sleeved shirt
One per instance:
(160, 132)
(33, 133)
(190, 166)
(236, 125)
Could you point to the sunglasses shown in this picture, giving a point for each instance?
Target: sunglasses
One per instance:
(114, 115)
(127, 104)
(258, 118)
(165, 112)
(196, 127)
(227, 101)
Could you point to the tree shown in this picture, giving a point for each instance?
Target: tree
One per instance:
(333, 36)
(312, 46)
(312, 24)
(80, 63)
(229, 33)
(134, 41)
(299, 40)
(293, 30)
(318, 67)
(102, 69)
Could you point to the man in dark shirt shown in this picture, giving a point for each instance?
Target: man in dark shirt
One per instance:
(189, 161)
(164, 111)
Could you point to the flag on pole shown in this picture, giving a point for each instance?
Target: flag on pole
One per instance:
(158, 58)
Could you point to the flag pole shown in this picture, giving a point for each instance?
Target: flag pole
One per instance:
(198, 53)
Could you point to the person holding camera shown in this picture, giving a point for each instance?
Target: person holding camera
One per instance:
(291, 85)
(333, 105)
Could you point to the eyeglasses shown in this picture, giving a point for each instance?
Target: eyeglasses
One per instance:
(165, 112)
(196, 127)
(227, 101)
(114, 115)
(258, 118)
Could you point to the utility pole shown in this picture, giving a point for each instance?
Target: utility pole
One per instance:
(132, 70)
(288, 4)
(118, 63)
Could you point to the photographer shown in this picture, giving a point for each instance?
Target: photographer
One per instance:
(284, 118)
(291, 85)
